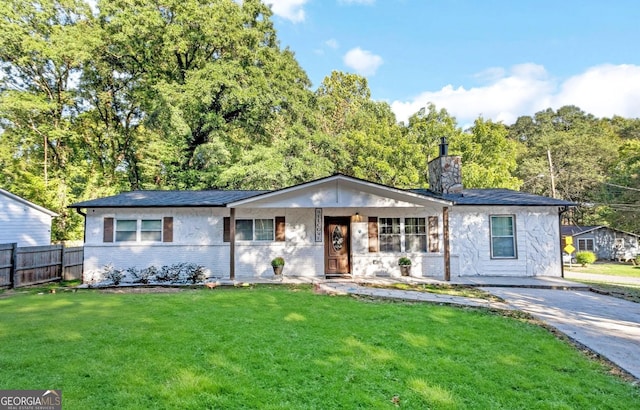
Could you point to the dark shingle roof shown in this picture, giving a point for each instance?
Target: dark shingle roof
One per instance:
(506, 197)
(155, 199)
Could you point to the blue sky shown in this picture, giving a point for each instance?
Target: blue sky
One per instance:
(495, 58)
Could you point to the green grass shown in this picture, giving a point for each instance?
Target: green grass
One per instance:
(607, 268)
(286, 348)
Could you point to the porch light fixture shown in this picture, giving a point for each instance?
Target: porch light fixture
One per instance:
(356, 218)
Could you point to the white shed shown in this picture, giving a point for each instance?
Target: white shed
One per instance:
(24, 222)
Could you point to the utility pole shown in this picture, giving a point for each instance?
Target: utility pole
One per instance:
(553, 182)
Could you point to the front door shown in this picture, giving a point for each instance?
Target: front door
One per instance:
(336, 245)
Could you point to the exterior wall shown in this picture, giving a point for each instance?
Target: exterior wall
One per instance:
(303, 256)
(537, 242)
(197, 238)
(385, 264)
(606, 246)
(23, 224)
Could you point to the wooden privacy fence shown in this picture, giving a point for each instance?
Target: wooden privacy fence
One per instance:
(31, 265)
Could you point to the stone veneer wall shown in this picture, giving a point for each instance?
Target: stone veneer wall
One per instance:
(445, 175)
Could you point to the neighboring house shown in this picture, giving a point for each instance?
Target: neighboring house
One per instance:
(24, 222)
(607, 243)
(336, 225)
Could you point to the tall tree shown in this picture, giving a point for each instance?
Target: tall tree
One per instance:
(43, 46)
(489, 157)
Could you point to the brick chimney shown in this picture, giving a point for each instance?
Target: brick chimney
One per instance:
(445, 172)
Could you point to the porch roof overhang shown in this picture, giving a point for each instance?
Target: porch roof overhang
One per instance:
(340, 191)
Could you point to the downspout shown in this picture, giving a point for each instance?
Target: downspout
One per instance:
(562, 210)
(84, 231)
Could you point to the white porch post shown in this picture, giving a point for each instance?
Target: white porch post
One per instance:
(232, 243)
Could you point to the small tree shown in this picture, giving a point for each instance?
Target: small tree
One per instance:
(585, 257)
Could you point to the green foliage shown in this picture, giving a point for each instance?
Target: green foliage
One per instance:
(585, 257)
(141, 97)
(404, 261)
(277, 261)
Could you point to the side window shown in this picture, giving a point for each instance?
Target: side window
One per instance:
(126, 230)
(503, 236)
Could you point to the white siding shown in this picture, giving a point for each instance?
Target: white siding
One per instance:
(197, 238)
(23, 224)
(537, 241)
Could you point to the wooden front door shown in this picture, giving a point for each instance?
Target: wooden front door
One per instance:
(336, 245)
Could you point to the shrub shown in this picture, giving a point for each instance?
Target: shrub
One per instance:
(113, 275)
(585, 257)
(278, 261)
(404, 261)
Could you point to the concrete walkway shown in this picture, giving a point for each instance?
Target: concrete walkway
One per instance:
(604, 324)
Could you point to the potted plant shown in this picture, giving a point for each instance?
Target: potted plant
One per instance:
(278, 264)
(405, 266)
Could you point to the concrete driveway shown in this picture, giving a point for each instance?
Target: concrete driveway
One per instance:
(607, 325)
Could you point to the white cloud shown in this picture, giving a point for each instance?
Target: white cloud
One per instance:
(362, 61)
(332, 43)
(288, 9)
(525, 89)
(604, 91)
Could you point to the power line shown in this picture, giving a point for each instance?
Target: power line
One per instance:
(621, 186)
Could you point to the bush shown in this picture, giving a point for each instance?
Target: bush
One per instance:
(278, 261)
(404, 261)
(113, 275)
(585, 257)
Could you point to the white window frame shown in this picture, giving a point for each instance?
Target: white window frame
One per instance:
(512, 236)
(138, 230)
(401, 234)
(383, 237)
(254, 236)
(421, 222)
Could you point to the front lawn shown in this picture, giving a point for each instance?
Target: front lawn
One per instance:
(286, 348)
(607, 268)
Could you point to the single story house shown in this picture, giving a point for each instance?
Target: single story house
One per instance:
(607, 243)
(338, 225)
(24, 222)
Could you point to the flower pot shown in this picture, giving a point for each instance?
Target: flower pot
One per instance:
(405, 270)
(277, 270)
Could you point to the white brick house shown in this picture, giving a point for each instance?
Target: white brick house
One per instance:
(24, 222)
(336, 225)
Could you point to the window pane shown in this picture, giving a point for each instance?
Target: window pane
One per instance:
(502, 237)
(126, 230)
(264, 229)
(389, 234)
(151, 225)
(416, 243)
(244, 229)
(414, 226)
(151, 230)
(501, 225)
(415, 235)
(503, 248)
